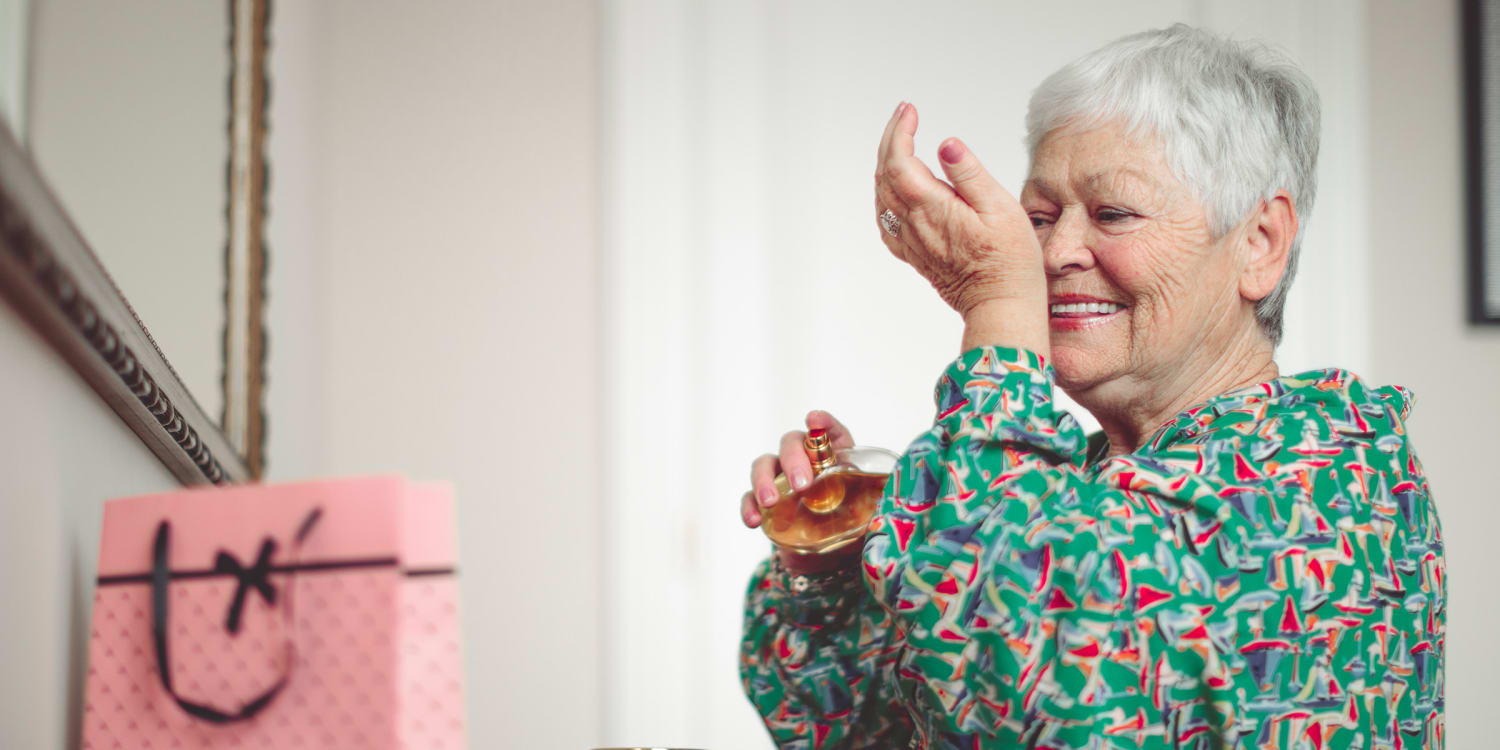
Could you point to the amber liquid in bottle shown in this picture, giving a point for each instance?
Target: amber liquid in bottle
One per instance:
(834, 509)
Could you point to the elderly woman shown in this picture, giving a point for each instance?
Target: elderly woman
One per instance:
(1240, 559)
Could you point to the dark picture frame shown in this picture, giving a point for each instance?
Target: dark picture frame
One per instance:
(1481, 63)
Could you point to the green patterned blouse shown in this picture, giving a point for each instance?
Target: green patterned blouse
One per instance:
(1265, 572)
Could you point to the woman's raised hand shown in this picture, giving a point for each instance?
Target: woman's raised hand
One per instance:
(970, 239)
(792, 461)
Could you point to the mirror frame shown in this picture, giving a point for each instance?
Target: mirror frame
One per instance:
(243, 419)
(53, 279)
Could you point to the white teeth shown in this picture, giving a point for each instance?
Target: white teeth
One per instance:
(1086, 308)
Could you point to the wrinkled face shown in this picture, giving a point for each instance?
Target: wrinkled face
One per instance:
(1139, 291)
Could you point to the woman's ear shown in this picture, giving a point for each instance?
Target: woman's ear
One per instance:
(1269, 241)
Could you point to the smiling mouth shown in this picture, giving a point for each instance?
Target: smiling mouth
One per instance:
(1084, 309)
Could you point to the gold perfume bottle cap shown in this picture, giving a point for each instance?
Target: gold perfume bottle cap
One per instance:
(819, 450)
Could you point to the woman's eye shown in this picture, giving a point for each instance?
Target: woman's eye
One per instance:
(1037, 222)
(1109, 215)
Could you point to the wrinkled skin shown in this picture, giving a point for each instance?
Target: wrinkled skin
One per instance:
(1102, 215)
(1115, 223)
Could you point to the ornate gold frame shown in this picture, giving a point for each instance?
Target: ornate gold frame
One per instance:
(243, 420)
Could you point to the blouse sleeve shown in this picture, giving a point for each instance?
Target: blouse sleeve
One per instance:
(1044, 604)
(817, 664)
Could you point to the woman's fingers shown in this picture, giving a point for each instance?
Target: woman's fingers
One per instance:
(838, 434)
(909, 177)
(885, 200)
(952, 235)
(748, 512)
(934, 216)
(971, 180)
(763, 479)
(794, 461)
(923, 233)
(890, 127)
(885, 197)
(902, 139)
(903, 180)
(915, 184)
(920, 226)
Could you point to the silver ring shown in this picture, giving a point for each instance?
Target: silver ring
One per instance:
(890, 223)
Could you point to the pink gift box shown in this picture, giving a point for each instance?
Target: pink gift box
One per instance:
(317, 614)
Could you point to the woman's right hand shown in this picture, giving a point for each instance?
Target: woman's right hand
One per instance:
(792, 461)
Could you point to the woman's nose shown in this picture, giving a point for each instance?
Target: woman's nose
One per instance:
(1064, 250)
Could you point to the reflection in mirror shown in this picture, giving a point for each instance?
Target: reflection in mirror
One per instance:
(13, 19)
(128, 115)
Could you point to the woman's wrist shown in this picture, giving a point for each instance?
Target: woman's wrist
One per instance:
(1019, 322)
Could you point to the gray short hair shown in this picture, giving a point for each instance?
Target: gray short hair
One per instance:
(1238, 121)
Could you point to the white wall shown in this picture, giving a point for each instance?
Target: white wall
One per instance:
(745, 282)
(434, 311)
(63, 452)
(1418, 265)
(295, 306)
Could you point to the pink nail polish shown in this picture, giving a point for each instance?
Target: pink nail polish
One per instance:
(952, 152)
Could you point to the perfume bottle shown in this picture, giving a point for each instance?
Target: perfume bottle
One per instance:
(835, 507)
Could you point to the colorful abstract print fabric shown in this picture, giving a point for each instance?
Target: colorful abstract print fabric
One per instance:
(1266, 572)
